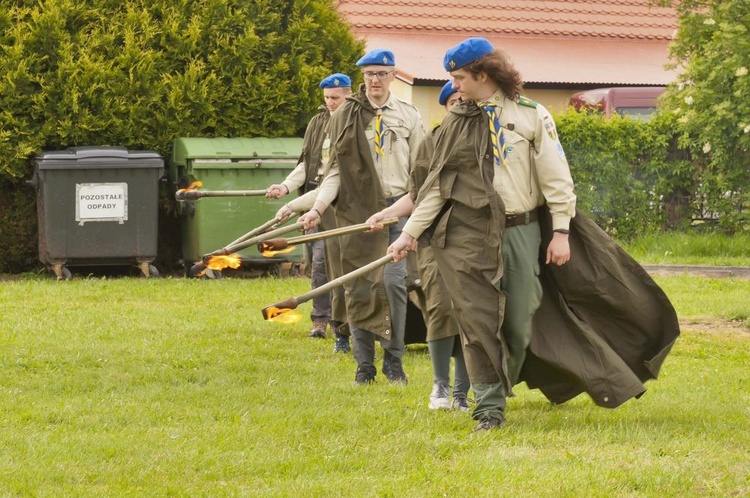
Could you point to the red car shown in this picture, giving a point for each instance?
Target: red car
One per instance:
(637, 102)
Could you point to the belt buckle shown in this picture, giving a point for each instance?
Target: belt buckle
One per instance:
(527, 216)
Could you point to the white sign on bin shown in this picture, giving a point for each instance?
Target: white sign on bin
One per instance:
(101, 202)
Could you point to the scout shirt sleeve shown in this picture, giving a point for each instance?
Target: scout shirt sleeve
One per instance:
(304, 202)
(415, 139)
(553, 172)
(328, 189)
(296, 178)
(425, 212)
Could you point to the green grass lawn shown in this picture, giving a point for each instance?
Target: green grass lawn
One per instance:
(691, 248)
(177, 387)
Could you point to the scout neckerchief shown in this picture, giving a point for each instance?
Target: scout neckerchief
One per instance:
(496, 135)
(379, 131)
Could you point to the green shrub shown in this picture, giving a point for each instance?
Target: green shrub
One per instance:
(141, 74)
(629, 175)
(711, 56)
(18, 227)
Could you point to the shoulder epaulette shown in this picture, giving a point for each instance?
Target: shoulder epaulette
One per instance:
(408, 103)
(527, 102)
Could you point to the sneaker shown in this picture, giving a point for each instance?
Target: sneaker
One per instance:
(488, 424)
(460, 402)
(393, 370)
(364, 376)
(318, 331)
(439, 397)
(342, 344)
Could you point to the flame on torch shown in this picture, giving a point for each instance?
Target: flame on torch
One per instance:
(220, 262)
(179, 195)
(266, 250)
(282, 315)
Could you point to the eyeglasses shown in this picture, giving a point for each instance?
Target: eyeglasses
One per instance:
(369, 75)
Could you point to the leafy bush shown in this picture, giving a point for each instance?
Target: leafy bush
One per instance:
(711, 51)
(18, 228)
(140, 74)
(628, 177)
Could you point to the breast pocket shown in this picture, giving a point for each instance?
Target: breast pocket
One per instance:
(396, 140)
(516, 148)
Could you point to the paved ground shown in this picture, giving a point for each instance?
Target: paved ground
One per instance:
(706, 271)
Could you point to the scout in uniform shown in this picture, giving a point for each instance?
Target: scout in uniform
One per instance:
(443, 341)
(328, 308)
(498, 174)
(374, 141)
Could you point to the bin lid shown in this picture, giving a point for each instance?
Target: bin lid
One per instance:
(98, 157)
(187, 148)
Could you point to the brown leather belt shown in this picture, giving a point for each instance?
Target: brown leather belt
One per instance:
(514, 220)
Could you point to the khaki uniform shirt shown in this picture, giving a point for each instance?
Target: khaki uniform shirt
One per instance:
(299, 175)
(403, 132)
(296, 178)
(536, 171)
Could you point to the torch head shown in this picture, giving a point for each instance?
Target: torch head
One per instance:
(272, 245)
(191, 195)
(197, 269)
(181, 194)
(277, 309)
(219, 252)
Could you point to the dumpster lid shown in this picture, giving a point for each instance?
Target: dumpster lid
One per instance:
(102, 156)
(187, 148)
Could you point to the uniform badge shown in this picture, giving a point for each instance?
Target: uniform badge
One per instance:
(560, 151)
(336, 82)
(385, 59)
(549, 125)
(452, 64)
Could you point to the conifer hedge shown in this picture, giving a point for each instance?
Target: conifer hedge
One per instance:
(139, 74)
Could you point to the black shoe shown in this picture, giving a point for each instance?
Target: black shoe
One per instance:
(342, 344)
(460, 402)
(393, 369)
(364, 376)
(488, 424)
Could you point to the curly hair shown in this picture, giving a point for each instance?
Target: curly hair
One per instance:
(501, 71)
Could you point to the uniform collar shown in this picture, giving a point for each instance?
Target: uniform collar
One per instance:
(496, 99)
(390, 103)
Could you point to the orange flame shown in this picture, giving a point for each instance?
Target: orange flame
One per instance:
(193, 186)
(220, 262)
(269, 253)
(283, 315)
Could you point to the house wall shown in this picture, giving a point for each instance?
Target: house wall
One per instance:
(425, 98)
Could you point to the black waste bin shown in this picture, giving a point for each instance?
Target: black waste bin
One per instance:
(97, 206)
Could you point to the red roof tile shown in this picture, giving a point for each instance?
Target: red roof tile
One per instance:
(595, 41)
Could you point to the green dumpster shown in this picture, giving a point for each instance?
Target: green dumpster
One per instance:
(231, 164)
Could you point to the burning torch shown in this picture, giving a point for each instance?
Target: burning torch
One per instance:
(192, 193)
(283, 243)
(275, 310)
(226, 257)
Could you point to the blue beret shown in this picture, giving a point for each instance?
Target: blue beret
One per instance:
(336, 80)
(378, 57)
(446, 92)
(466, 52)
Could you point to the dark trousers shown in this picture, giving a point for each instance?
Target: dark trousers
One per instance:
(321, 305)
